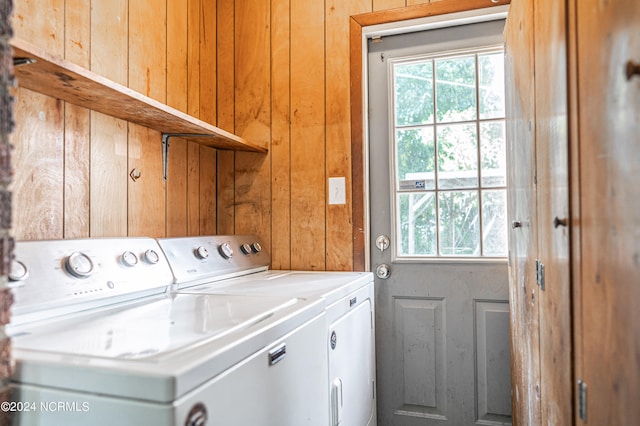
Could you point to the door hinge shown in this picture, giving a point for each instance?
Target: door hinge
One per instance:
(540, 274)
(582, 400)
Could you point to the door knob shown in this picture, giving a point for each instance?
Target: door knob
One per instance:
(383, 271)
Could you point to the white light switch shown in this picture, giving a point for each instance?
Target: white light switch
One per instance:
(337, 190)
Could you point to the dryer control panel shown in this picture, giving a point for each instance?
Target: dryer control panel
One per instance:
(196, 260)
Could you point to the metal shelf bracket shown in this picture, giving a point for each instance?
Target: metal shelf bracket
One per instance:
(165, 148)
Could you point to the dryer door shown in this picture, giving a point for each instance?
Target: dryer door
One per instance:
(352, 367)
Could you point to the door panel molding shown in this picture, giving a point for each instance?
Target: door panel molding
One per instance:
(421, 323)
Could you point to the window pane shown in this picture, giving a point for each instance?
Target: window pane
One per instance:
(414, 93)
(415, 156)
(417, 224)
(456, 89)
(459, 223)
(457, 156)
(493, 154)
(491, 85)
(494, 222)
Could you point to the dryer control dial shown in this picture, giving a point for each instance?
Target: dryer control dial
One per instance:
(225, 250)
(256, 247)
(79, 265)
(246, 248)
(129, 258)
(151, 256)
(202, 252)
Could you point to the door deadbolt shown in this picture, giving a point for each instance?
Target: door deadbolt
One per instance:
(383, 271)
(382, 242)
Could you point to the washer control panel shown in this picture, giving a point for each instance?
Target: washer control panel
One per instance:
(54, 274)
(195, 260)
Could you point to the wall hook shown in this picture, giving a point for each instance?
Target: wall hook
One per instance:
(135, 174)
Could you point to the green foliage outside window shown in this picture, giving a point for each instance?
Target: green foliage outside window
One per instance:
(449, 122)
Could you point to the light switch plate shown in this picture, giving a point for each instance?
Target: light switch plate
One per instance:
(337, 190)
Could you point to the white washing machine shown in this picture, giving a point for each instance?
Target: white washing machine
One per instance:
(210, 265)
(99, 340)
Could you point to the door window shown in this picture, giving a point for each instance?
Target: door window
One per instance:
(448, 152)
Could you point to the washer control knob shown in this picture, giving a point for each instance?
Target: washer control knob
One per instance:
(129, 258)
(151, 256)
(225, 250)
(256, 247)
(79, 265)
(246, 248)
(202, 252)
(18, 271)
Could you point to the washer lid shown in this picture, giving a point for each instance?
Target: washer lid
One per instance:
(156, 349)
(331, 286)
(153, 329)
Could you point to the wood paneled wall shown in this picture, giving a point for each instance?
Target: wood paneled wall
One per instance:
(291, 73)
(72, 165)
(274, 72)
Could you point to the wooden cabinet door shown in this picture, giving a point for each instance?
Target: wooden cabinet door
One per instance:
(523, 292)
(538, 210)
(608, 350)
(552, 177)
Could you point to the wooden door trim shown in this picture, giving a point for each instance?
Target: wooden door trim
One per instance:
(357, 22)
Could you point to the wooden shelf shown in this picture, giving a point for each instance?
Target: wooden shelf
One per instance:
(69, 82)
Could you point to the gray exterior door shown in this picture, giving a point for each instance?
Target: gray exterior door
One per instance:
(442, 321)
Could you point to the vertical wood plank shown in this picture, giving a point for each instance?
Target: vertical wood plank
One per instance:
(574, 193)
(524, 296)
(38, 163)
(226, 114)
(194, 17)
(339, 240)
(307, 135)
(147, 75)
(177, 91)
(108, 175)
(280, 137)
(253, 118)
(553, 201)
(207, 179)
(357, 147)
(208, 66)
(193, 189)
(193, 57)
(208, 112)
(177, 181)
(38, 203)
(77, 129)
